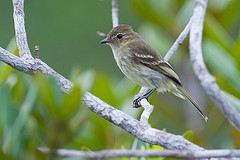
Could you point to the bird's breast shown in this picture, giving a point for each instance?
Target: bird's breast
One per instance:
(137, 72)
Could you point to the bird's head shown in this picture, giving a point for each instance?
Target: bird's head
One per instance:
(120, 36)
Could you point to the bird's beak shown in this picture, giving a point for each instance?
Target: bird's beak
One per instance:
(106, 41)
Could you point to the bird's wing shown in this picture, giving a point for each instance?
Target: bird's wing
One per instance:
(149, 57)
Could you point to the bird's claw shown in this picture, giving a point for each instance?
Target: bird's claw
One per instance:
(136, 102)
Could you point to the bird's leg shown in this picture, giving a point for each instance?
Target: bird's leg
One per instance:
(136, 102)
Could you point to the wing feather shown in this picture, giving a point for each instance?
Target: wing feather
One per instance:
(149, 57)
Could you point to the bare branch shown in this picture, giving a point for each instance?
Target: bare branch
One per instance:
(226, 153)
(120, 119)
(207, 81)
(133, 126)
(31, 66)
(101, 34)
(179, 41)
(37, 48)
(114, 13)
(21, 36)
(15, 61)
(146, 113)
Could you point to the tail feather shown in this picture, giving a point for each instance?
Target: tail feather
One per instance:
(191, 100)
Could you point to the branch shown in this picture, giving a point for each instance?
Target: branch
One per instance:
(104, 110)
(207, 81)
(226, 153)
(114, 13)
(179, 41)
(21, 36)
(31, 66)
(131, 125)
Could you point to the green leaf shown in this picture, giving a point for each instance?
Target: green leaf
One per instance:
(146, 11)
(50, 93)
(4, 156)
(139, 145)
(15, 134)
(216, 31)
(233, 100)
(85, 79)
(7, 111)
(188, 135)
(70, 102)
(103, 89)
(156, 147)
(221, 62)
(6, 70)
(235, 51)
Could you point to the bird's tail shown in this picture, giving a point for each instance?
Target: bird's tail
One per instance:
(191, 100)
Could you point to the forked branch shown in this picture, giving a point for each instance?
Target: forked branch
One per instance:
(27, 64)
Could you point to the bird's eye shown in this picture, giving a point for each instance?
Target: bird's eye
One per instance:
(119, 36)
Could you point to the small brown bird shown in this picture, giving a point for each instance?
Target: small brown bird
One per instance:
(144, 65)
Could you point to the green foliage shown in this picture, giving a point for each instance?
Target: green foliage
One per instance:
(35, 113)
(188, 135)
(221, 46)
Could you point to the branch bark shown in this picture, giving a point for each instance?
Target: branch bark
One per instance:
(178, 41)
(226, 153)
(207, 81)
(104, 110)
(115, 13)
(21, 36)
(27, 64)
(142, 131)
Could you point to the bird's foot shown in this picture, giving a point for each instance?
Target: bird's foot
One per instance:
(136, 102)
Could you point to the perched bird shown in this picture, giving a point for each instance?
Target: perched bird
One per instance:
(144, 65)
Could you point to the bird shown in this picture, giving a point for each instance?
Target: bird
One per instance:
(142, 64)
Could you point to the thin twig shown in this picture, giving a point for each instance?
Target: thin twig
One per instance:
(37, 48)
(101, 34)
(226, 153)
(104, 110)
(207, 81)
(114, 13)
(120, 119)
(178, 41)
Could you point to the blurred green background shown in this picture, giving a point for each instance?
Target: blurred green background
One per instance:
(34, 113)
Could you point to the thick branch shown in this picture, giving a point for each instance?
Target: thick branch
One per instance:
(15, 61)
(31, 66)
(226, 153)
(206, 79)
(120, 119)
(133, 126)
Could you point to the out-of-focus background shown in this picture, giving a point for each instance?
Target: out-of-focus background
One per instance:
(34, 112)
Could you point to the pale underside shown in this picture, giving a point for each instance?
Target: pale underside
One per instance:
(145, 76)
